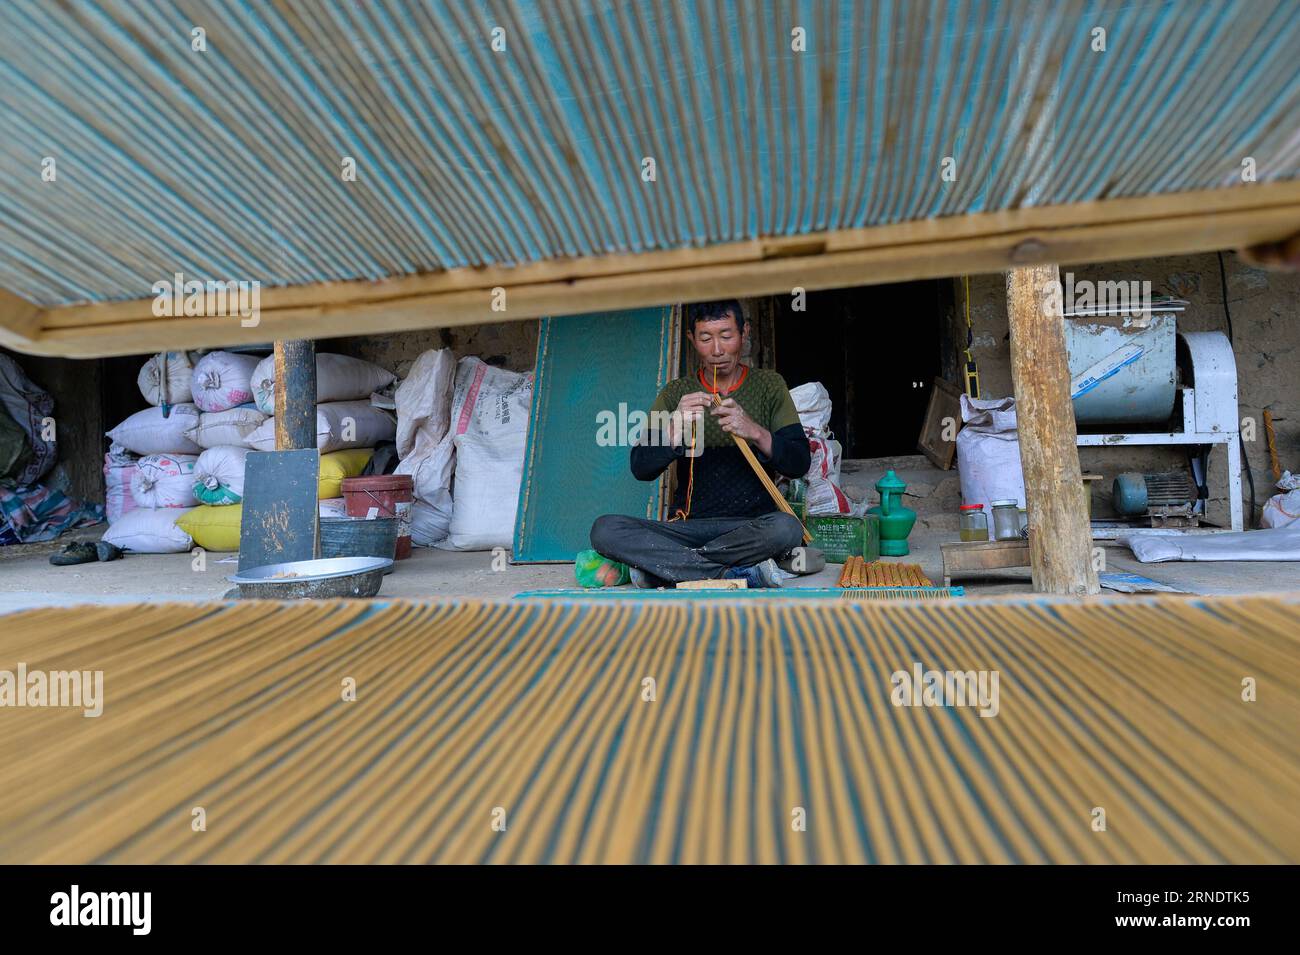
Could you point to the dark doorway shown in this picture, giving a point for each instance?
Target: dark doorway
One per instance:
(877, 349)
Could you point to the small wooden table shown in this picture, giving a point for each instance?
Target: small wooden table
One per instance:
(731, 583)
(968, 557)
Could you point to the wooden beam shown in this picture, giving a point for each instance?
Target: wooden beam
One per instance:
(1060, 539)
(295, 395)
(1113, 229)
(20, 322)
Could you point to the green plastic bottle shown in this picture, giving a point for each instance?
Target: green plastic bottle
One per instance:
(896, 521)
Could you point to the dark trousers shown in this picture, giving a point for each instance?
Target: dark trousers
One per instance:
(697, 548)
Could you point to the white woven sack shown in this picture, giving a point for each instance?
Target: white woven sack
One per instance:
(148, 530)
(119, 468)
(149, 432)
(219, 475)
(812, 402)
(178, 380)
(222, 379)
(486, 492)
(339, 425)
(424, 400)
(338, 378)
(164, 480)
(218, 429)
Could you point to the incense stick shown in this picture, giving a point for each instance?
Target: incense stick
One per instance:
(478, 727)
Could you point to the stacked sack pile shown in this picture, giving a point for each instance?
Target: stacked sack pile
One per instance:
(347, 428)
(175, 472)
(461, 434)
(162, 383)
(149, 469)
(813, 404)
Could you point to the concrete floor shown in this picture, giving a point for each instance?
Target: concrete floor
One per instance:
(28, 580)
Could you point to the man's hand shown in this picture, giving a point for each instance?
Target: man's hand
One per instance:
(690, 414)
(733, 420)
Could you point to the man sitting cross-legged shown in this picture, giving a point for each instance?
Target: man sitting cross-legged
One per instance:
(725, 523)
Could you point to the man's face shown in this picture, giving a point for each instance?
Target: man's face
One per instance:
(718, 344)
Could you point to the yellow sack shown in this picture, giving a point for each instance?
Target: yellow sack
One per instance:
(336, 466)
(213, 526)
(216, 526)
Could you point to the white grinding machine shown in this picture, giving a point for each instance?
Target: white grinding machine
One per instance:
(1137, 380)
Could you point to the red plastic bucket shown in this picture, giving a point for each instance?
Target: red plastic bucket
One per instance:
(383, 495)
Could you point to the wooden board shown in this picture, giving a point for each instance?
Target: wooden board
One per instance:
(945, 402)
(731, 584)
(280, 518)
(593, 372)
(1089, 480)
(967, 558)
(1100, 231)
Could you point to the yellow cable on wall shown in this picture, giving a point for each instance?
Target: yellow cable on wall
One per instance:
(971, 374)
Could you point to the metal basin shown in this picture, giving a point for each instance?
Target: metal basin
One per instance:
(359, 537)
(331, 577)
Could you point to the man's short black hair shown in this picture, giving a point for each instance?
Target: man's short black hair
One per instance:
(715, 311)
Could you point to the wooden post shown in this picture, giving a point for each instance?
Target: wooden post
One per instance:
(295, 395)
(1060, 540)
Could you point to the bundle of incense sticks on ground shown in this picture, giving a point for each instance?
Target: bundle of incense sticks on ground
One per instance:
(858, 573)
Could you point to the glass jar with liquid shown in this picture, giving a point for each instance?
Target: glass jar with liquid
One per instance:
(973, 523)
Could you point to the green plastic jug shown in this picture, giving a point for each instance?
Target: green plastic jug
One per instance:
(895, 520)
